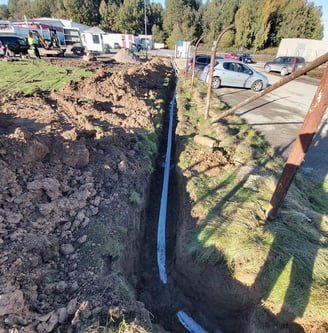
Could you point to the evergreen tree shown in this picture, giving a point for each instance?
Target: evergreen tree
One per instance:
(41, 8)
(130, 17)
(315, 27)
(104, 16)
(181, 20)
(300, 19)
(158, 34)
(262, 24)
(59, 10)
(258, 23)
(155, 16)
(18, 8)
(84, 11)
(217, 15)
(244, 23)
(4, 12)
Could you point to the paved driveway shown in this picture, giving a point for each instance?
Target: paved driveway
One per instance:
(279, 115)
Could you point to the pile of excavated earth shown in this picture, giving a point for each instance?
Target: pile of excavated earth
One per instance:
(74, 178)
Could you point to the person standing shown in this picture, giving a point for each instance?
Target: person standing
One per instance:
(33, 43)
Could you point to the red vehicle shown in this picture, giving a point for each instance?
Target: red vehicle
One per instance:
(233, 56)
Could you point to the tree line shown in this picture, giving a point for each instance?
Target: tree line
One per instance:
(258, 23)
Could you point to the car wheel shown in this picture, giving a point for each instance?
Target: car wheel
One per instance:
(216, 83)
(257, 85)
(283, 71)
(267, 68)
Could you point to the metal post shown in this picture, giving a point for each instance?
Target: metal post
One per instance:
(194, 62)
(210, 78)
(188, 50)
(303, 141)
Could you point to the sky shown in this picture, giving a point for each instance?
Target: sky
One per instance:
(323, 3)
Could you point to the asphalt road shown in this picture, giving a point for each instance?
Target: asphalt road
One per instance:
(279, 115)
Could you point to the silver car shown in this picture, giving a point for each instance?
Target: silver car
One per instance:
(284, 65)
(234, 73)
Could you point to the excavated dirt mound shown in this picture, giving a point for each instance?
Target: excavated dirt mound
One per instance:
(126, 56)
(74, 169)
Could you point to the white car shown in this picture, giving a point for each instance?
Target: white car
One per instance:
(234, 73)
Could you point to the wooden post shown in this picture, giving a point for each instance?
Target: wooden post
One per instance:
(301, 145)
(210, 78)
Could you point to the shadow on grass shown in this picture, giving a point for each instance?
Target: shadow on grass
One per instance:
(286, 255)
(289, 264)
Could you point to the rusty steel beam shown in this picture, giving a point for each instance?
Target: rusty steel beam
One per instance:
(186, 70)
(210, 78)
(303, 141)
(308, 67)
(194, 62)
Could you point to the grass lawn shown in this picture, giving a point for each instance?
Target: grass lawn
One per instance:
(29, 76)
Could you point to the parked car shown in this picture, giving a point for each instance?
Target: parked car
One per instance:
(246, 57)
(232, 55)
(16, 44)
(201, 61)
(234, 73)
(284, 65)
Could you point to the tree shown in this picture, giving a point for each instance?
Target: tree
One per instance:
(158, 34)
(315, 27)
(41, 8)
(300, 19)
(84, 11)
(60, 9)
(155, 17)
(181, 20)
(130, 17)
(244, 23)
(104, 16)
(217, 15)
(4, 12)
(18, 8)
(258, 23)
(262, 24)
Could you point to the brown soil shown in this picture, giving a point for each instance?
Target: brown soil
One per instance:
(74, 178)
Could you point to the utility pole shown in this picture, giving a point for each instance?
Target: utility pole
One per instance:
(145, 7)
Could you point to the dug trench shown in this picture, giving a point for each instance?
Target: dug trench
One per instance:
(182, 292)
(206, 293)
(193, 288)
(78, 246)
